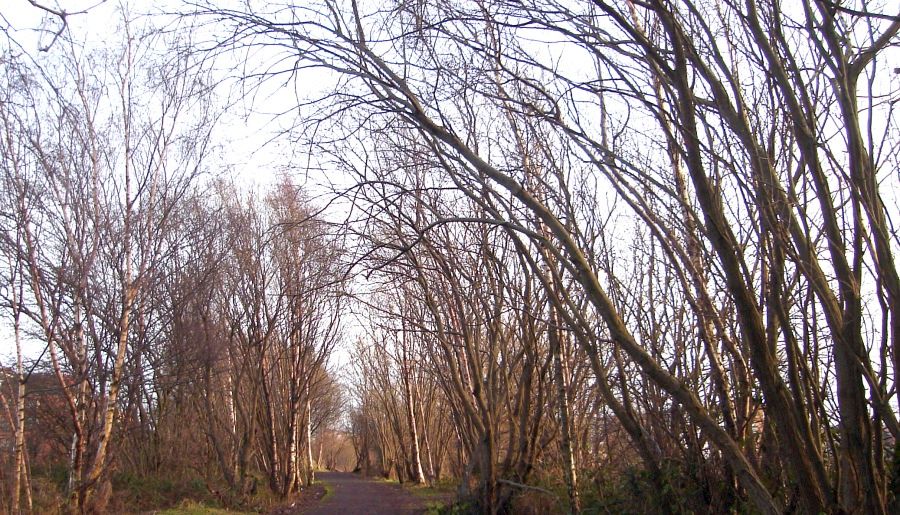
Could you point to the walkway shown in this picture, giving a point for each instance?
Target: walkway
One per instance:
(352, 494)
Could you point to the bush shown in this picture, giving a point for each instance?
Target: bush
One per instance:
(142, 493)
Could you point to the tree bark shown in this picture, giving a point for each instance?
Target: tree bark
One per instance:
(310, 466)
(560, 378)
(418, 474)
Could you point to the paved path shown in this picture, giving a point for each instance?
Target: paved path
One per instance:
(353, 494)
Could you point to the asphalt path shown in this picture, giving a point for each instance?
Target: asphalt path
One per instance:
(353, 494)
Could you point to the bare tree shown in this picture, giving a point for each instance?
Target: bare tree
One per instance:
(731, 133)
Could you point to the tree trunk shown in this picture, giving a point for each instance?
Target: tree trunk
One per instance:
(94, 484)
(310, 469)
(21, 474)
(319, 455)
(488, 474)
(271, 436)
(293, 450)
(569, 472)
(418, 475)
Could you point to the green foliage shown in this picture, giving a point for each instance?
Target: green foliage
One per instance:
(47, 494)
(329, 491)
(629, 491)
(459, 508)
(533, 502)
(441, 489)
(438, 495)
(55, 474)
(632, 490)
(134, 492)
(894, 484)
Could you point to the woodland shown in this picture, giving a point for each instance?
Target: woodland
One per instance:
(552, 256)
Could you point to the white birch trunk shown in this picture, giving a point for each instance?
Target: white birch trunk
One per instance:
(21, 472)
(310, 473)
(561, 380)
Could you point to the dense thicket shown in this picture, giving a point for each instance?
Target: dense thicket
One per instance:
(185, 325)
(667, 221)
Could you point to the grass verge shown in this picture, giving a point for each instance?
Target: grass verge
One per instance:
(196, 508)
(329, 491)
(437, 496)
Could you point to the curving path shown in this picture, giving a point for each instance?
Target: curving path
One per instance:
(354, 494)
